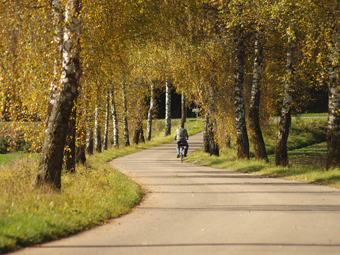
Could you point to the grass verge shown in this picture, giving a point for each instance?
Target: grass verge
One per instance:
(307, 156)
(93, 195)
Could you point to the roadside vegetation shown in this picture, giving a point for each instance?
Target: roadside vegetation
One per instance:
(93, 195)
(307, 151)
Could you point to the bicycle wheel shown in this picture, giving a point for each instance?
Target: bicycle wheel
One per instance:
(182, 155)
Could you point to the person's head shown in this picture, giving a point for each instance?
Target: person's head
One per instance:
(182, 125)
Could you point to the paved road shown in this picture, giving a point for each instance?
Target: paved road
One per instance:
(191, 209)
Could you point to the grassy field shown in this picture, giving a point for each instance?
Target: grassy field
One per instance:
(307, 155)
(7, 158)
(310, 115)
(94, 195)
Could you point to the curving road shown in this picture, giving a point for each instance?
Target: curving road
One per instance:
(191, 209)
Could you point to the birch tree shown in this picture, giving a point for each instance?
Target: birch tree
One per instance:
(183, 109)
(254, 117)
(107, 115)
(89, 141)
(333, 129)
(150, 112)
(281, 155)
(97, 129)
(167, 108)
(114, 119)
(242, 137)
(125, 117)
(50, 163)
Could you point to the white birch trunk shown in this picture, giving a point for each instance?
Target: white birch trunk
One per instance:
(51, 158)
(333, 129)
(254, 118)
(114, 120)
(281, 154)
(107, 117)
(241, 128)
(167, 108)
(150, 112)
(89, 141)
(125, 119)
(97, 131)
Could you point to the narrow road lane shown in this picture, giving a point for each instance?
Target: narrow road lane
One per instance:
(191, 209)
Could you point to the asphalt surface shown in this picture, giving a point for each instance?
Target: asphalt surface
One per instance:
(190, 209)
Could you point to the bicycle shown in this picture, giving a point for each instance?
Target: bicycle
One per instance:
(182, 147)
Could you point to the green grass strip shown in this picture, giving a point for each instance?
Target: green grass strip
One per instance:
(307, 155)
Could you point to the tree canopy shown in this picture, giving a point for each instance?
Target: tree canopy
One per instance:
(206, 48)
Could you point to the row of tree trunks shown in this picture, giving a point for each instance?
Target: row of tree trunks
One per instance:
(93, 141)
(150, 112)
(167, 108)
(254, 118)
(241, 129)
(51, 160)
(281, 155)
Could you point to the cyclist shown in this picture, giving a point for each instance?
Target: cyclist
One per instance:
(181, 136)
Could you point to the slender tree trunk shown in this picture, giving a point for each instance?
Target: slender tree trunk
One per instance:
(212, 125)
(281, 155)
(241, 128)
(97, 131)
(107, 116)
(150, 113)
(51, 159)
(81, 146)
(212, 145)
(70, 150)
(167, 108)
(138, 135)
(141, 134)
(206, 133)
(80, 132)
(333, 129)
(254, 118)
(89, 141)
(114, 120)
(183, 109)
(125, 120)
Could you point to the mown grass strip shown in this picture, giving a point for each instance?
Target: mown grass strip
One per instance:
(89, 197)
(307, 156)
